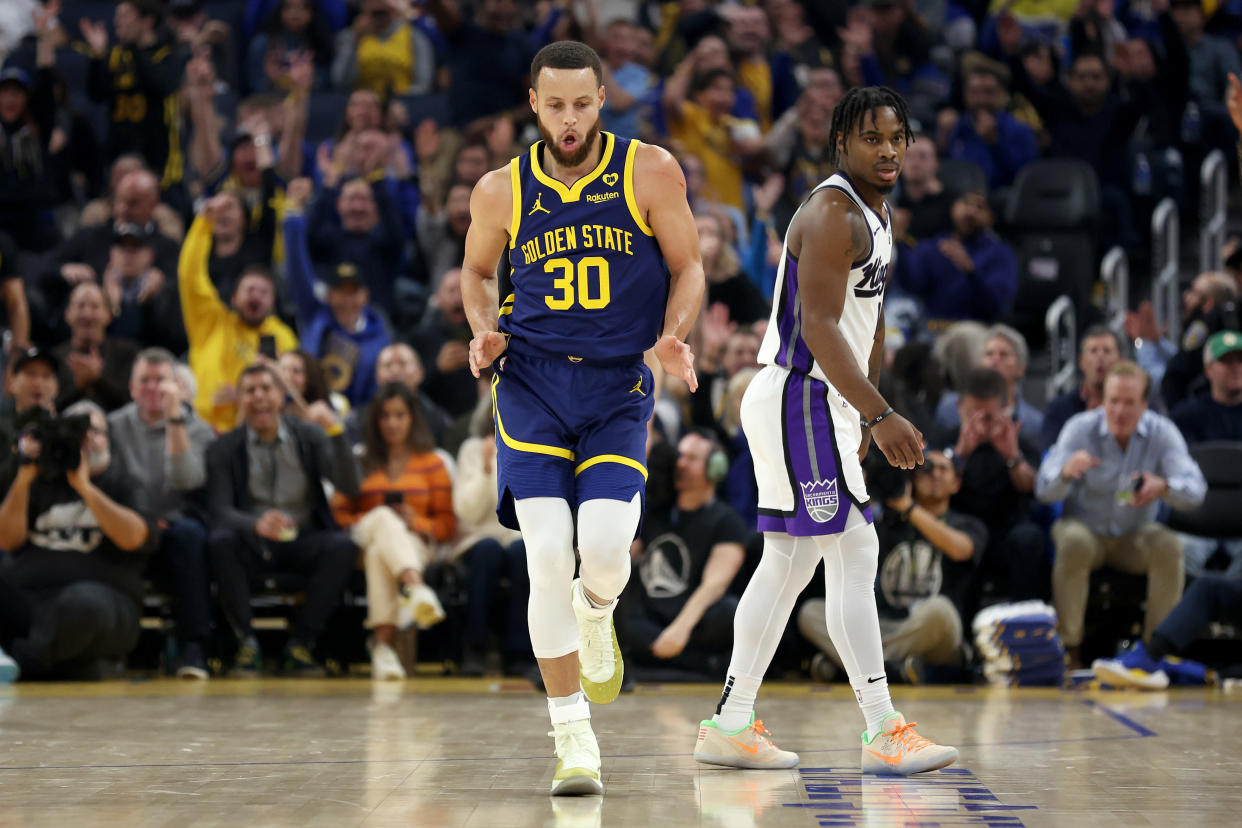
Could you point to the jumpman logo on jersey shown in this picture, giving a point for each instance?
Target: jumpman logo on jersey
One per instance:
(539, 206)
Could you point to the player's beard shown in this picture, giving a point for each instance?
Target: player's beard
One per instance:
(577, 156)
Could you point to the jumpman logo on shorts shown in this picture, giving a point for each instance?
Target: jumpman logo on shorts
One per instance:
(539, 206)
(638, 386)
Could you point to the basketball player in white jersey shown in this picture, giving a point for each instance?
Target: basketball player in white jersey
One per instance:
(809, 416)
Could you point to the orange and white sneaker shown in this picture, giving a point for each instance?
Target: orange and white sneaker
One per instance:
(748, 747)
(898, 750)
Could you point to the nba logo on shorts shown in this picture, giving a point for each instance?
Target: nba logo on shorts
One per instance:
(820, 498)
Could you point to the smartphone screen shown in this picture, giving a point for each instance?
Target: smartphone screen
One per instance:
(393, 498)
(267, 346)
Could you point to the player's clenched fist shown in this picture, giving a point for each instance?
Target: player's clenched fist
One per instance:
(900, 441)
(485, 348)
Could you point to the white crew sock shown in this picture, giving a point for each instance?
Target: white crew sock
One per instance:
(874, 700)
(737, 702)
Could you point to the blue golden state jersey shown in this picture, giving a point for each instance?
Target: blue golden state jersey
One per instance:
(588, 277)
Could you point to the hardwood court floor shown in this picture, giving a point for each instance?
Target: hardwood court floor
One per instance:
(439, 752)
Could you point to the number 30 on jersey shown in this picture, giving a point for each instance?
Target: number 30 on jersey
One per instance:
(587, 283)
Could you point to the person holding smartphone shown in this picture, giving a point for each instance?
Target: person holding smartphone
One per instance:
(403, 508)
(1111, 465)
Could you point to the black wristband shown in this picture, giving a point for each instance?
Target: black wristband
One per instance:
(879, 419)
(176, 420)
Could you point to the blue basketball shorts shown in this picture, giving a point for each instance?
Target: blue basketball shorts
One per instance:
(569, 428)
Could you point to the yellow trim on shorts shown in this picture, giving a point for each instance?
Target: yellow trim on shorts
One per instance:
(519, 445)
(515, 221)
(569, 194)
(611, 458)
(506, 307)
(630, 200)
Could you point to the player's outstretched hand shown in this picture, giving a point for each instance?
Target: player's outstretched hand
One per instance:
(677, 360)
(484, 349)
(900, 441)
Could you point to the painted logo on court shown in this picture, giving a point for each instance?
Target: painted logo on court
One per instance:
(820, 499)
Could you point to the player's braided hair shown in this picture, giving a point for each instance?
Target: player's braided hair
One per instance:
(856, 105)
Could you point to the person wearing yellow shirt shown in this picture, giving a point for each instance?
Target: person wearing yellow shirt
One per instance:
(224, 339)
(704, 128)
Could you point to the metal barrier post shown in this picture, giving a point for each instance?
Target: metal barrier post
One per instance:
(1165, 290)
(1062, 327)
(1115, 276)
(1214, 191)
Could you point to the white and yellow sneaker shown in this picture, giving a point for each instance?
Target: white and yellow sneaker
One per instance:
(898, 750)
(599, 655)
(748, 747)
(577, 760)
(385, 665)
(419, 605)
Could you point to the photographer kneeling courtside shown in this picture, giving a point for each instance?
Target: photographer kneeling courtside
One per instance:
(71, 591)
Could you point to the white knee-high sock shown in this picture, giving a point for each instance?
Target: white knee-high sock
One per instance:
(548, 531)
(785, 569)
(850, 560)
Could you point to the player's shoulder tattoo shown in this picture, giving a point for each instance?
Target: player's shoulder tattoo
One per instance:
(860, 235)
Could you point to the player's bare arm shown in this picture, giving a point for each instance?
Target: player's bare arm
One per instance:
(661, 196)
(829, 235)
(491, 209)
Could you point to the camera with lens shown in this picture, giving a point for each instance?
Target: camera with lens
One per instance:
(60, 440)
(884, 482)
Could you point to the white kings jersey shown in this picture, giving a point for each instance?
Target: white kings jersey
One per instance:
(783, 344)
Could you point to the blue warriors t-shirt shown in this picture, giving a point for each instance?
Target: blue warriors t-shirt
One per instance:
(588, 277)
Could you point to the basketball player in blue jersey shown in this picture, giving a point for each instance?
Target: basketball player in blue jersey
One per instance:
(588, 221)
(809, 416)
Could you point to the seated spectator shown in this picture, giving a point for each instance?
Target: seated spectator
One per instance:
(400, 363)
(768, 76)
(698, 108)
(93, 365)
(27, 120)
(1209, 305)
(987, 135)
(1148, 666)
(996, 463)
(224, 338)
(85, 255)
(306, 384)
(1111, 466)
(1216, 415)
(492, 553)
(357, 222)
(678, 613)
(159, 442)
(294, 26)
(798, 142)
(1005, 351)
(345, 332)
(627, 81)
(142, 302)
(970, 273)
(884, 43)
(442, 231)
(30, 381)
(724, 350)
(1212, 58)
(1099, 351)
(443, 342)
(102, 210)
(266, 499)
(383, 52)
(403, 508)
(13, 295)
(926, 552)
(727, 283)
(923, 208)
(72, 589)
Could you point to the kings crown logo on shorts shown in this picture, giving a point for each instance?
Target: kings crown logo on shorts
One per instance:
(820, 499)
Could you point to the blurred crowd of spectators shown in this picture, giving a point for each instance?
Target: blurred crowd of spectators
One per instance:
(229, 241)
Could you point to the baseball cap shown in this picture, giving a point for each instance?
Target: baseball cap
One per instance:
(1221, 343)
(343, 274)
(15, 74)
(33, 354)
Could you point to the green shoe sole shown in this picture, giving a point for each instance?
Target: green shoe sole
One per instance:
(605, 692)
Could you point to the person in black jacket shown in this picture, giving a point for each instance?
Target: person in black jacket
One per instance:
(72, 593)
(265, 497)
